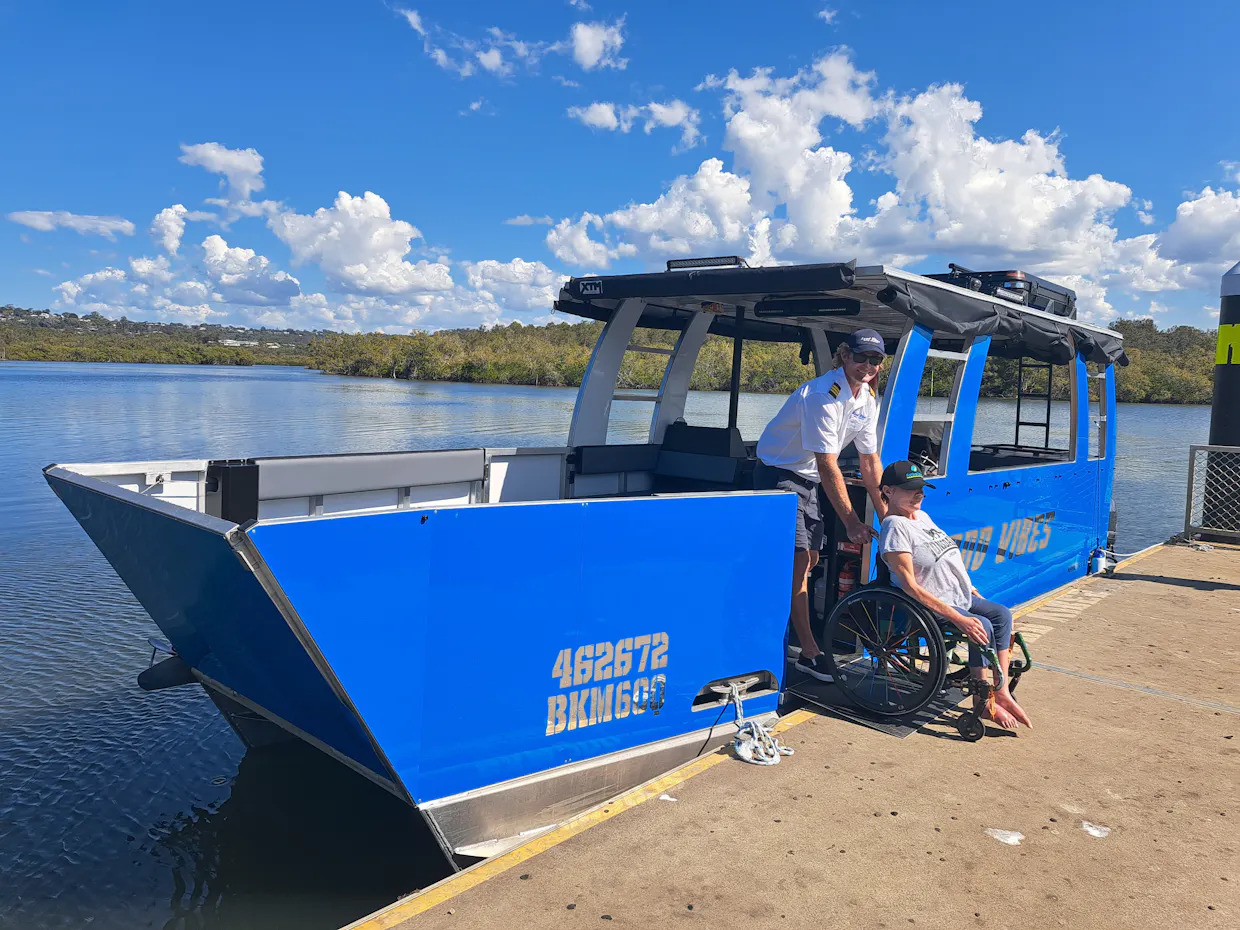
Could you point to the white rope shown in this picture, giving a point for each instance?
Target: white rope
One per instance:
(755, 743)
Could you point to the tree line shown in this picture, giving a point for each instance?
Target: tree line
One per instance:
(1174, 365)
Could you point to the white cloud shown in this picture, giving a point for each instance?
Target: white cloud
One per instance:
(466, 53)
(414, 20)
(168, 227)
(47, 220)
(595, 45)
(592, 46)
(44, 273)
(96, 287)
(570, 241)
(493, 60)
(559, 79)
(241, 168)
(955, 194)
(1204, 237)
(526, 220)
(360, 247)
(169, 224)
(517, 285)
(580, 5)
(673, 114)
(828, 15)
(156, 270)
(596, 115)
(711, 207)
(1145, 213)
(242, 276)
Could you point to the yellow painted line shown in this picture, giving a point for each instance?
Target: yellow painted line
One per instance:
(434, 895)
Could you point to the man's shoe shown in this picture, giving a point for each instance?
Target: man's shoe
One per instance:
(815, 667)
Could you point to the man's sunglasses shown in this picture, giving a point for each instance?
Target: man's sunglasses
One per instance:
(869, 358)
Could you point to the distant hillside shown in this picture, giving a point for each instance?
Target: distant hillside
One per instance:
(1168, 366)
(42, 336)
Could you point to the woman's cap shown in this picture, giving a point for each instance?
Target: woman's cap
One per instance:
(904, 475)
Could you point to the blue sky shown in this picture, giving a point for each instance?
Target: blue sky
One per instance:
(187, 161)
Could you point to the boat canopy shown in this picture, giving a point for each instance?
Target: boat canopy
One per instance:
(783, 303)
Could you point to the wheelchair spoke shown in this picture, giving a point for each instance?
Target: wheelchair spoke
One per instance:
(884, 653)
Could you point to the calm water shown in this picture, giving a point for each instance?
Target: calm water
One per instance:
(123, 809)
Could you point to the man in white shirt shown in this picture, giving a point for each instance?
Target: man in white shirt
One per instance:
(800, 449)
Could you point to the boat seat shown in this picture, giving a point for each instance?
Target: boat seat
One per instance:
(703, 458)
(690, 458)
(606, 460)
(303, 476)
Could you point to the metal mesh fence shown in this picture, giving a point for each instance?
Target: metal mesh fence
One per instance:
(1213, 491)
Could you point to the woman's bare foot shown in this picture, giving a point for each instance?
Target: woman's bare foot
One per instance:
(996, 713)
(1008, 703)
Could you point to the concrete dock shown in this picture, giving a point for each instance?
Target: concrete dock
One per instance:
(1125, 794)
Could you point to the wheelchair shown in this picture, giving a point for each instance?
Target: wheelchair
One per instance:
(891, 657)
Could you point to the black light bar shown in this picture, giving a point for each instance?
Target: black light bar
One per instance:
(714, 261)
(808, 306)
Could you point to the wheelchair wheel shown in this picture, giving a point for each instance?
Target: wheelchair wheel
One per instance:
(884, 651)
(971, 728)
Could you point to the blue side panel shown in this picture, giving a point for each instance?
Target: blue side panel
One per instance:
(484, 643)
(215, 613)
(1023, 531)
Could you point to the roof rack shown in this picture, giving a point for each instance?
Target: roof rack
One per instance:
(713, 261)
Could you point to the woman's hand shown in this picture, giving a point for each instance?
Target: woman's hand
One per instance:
(976, 593)
(971, 627)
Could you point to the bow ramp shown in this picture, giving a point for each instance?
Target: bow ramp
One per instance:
(517, 664)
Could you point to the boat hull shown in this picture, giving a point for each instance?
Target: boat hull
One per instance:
(502, 667)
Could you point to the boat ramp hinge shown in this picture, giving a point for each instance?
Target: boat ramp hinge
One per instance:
(245, 560)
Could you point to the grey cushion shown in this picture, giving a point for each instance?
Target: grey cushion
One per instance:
(302, 476)
(604, 460)
(711, 468)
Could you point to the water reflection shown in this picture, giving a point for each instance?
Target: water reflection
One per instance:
(300, 842)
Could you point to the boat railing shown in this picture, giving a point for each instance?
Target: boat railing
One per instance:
(301, 487)
(1213, 500)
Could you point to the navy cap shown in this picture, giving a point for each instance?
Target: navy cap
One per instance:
(904, 475)
(866, 340)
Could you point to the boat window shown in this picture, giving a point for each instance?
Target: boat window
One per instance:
(936, 411)
(770, 371)
(1097, 412)
(637, 385)
(1024, 415)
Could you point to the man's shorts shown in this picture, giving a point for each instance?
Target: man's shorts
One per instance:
(809, 513)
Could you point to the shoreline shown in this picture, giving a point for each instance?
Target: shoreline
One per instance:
(309, 368)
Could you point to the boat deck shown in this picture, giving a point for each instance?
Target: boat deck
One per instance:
(1137, 732)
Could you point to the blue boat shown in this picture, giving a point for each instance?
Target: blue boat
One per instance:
(505, 638)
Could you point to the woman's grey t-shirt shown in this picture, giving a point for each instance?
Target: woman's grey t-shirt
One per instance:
(937, 565)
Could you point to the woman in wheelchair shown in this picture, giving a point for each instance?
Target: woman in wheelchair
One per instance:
(926, 564)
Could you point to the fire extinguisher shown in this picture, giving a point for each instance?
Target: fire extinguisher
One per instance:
(848, 577)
